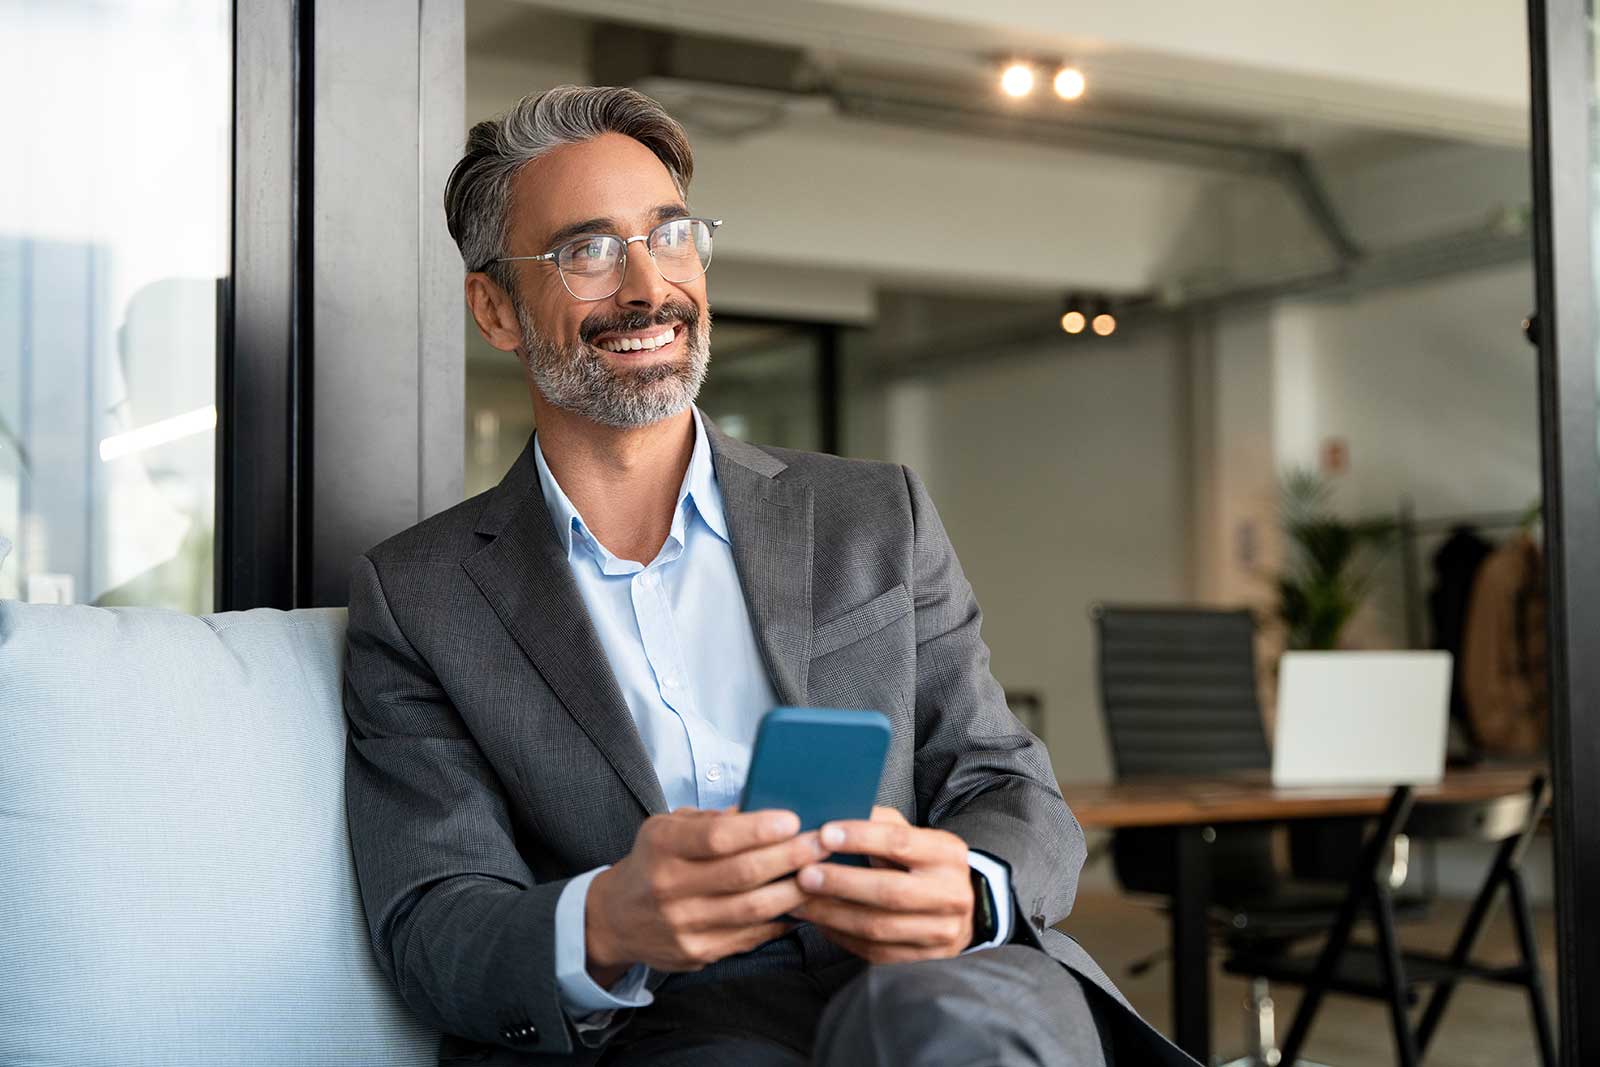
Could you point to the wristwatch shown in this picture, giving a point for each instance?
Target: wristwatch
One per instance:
(985, 918)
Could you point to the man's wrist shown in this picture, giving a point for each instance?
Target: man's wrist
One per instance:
(600, 952)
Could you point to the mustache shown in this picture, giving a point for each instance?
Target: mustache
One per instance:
(680, 311)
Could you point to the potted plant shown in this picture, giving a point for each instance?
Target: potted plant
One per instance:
(1328, 562)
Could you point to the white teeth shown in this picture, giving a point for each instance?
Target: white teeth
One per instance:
(635, 344)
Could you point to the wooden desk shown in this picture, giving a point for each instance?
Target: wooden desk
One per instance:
(1192, 807)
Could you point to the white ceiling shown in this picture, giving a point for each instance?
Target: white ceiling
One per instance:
(873, 204)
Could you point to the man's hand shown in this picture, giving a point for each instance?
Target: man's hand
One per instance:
(914, 903)
(697, 886)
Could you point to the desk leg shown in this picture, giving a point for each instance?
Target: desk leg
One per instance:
(1191, 963)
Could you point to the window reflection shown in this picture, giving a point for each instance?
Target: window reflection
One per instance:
(114, 219)
(764, 384)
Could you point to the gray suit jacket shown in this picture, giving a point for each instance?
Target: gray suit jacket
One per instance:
(491, 756)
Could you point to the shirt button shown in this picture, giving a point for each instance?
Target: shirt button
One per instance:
(714, 773)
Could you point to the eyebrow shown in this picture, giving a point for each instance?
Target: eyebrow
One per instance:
(661, 213)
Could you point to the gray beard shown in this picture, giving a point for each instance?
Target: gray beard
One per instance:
(579, 379)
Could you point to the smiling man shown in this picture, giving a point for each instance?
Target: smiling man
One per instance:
(553, 689)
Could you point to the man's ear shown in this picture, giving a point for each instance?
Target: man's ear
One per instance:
(492, 311)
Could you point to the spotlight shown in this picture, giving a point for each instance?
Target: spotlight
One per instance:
(1070, 83)
(1105, 324)
(1073, 321)
(1017, 80)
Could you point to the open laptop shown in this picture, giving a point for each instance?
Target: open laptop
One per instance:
(1361, 718)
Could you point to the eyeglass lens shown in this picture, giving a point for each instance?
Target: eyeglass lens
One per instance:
(592, 267)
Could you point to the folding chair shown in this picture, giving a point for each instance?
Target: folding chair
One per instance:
(1382, 970)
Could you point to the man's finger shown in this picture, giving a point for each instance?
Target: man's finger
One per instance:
(909, 846)
(757, 906)
(744, 940)
(749, 869)
(877, 925)
(889, 889)
(873, 952)
(727, 834)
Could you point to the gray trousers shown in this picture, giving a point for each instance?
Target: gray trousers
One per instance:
(1012, 1006)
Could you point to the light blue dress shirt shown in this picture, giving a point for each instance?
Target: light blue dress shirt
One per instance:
(679, 639)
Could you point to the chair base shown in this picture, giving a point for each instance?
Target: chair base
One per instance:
(1260, 1032)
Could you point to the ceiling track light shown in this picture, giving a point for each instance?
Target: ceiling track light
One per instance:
(1069, 82)
(1080, 314)
(1016, 80)
(1019, 77)
(1104, 322)
(1073, 320)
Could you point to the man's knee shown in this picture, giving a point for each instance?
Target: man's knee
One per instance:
(1009, 1006)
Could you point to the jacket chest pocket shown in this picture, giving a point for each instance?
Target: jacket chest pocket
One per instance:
(866, 658)
(863, 621)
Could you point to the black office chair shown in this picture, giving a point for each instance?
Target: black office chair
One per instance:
(1178, 691)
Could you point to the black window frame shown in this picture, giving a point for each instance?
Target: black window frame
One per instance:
(323, 222)
(1561, 74)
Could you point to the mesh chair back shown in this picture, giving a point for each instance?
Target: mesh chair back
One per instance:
(1178, 689)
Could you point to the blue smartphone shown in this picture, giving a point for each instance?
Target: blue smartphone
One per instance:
(822, 764)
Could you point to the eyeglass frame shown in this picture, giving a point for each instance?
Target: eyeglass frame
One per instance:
(622, 276)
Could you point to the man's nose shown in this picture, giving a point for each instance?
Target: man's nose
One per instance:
(643, 287)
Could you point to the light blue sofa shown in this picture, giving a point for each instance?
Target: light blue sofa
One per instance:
(175, 877)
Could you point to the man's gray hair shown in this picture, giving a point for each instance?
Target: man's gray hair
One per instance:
(477, 198)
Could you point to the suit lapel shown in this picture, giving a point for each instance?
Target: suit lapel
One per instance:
(769, 523)
(526, 578)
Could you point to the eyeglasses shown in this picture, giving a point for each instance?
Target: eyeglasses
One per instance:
(592, 268)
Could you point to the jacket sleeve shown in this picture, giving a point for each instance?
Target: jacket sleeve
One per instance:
(456, 917)
(979, 773)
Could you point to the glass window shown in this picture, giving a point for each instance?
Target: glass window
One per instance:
(765, 383)
(116, 119)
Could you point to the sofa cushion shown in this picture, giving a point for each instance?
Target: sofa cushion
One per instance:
(175, 876)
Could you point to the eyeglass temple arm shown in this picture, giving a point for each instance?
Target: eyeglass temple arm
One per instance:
(513, 259)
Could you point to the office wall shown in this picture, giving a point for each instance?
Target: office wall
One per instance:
(1414, 381)
(1232, 455)
(1433, 387)
(1060, 475)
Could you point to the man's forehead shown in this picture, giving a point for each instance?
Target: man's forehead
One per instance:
(611, 177)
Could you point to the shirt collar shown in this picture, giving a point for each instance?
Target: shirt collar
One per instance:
(699, 485)
(700, 482)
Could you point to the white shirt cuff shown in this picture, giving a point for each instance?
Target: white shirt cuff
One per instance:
(998, 876)
(586, 1004)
